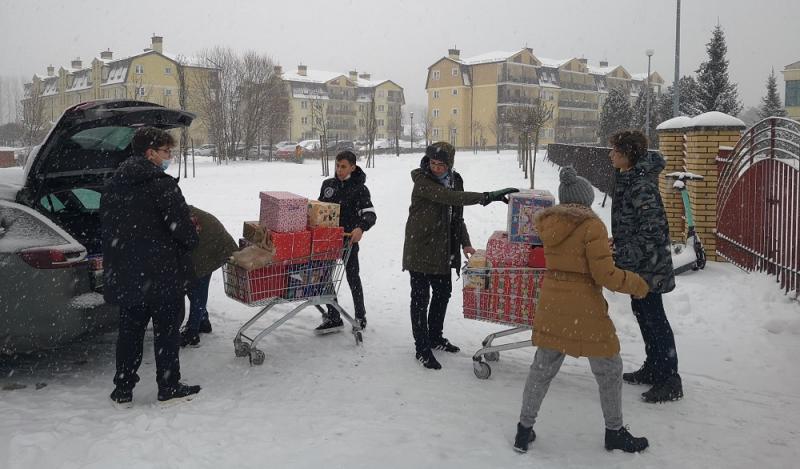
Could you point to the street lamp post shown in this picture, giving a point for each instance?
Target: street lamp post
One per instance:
(649, 53)
(411, 116)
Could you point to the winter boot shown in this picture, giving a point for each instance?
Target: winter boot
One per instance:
(205, 326)
(444, 345)
(669, 390)
(190, 339)
(525, 436)
(362, 322)
(122, 398)
(641, 376)
(329, 325)
(179, 392)
(622, 439)
(428, 360)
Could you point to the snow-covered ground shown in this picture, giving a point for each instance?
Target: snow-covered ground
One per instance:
(324, 402)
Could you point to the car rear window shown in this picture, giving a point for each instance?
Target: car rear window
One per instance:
(104, 138)
(21, 230)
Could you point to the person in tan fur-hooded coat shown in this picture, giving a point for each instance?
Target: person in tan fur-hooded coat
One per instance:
(572, 314)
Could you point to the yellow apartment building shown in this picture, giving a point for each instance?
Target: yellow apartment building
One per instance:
(791, 75)
(151, 75)
(469, 97)
(344, 100)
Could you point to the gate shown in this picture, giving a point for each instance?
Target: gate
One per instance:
(758, 202)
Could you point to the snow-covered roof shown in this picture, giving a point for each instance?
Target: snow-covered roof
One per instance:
(716, 119)
(554, 63)
(189, 61)
(639, 76)
(676, 123)
(117, 72)
(50, 86)
(600, 70)
(488, 57)
(312, 76)
(81, 81)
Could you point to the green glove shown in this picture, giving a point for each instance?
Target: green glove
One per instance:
(497, 196)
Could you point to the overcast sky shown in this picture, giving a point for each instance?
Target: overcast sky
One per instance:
(399, 40)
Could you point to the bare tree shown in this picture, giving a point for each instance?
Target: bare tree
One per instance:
(527, 122)
(476, 132)
(496, 128)
(320, 126)
(277, 122)
(371, 129)
(427, 125)
(255, 94)
(31, 114)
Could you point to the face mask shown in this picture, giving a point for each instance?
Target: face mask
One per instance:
(165, 164)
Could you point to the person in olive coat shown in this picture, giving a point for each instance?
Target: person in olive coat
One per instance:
(147, 235)
(215, 247)
(434, 238)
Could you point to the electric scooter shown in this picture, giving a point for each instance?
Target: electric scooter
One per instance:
(690, 255)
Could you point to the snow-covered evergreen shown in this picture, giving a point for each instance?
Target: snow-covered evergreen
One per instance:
(616, 114)
(771, 103)
(687, 106)
(716, 92)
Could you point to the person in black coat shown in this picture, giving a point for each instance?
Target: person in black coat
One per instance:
(356, 215)
(147, 235)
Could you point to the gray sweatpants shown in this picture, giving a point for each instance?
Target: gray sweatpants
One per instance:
(607, 371)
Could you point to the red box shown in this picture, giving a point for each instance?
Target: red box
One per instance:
(501, 252)
(514, 295)
(476, 303)
(257, 284)
(326, 243)
(289, 246)
(283, 212)
(536, 258)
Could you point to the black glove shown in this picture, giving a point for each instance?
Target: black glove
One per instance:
(497, 196)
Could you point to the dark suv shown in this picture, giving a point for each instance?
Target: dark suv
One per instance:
(50, 249)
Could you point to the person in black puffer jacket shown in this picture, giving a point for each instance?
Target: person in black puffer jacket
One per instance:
(147, 237)
(641, 244)
(356, 215)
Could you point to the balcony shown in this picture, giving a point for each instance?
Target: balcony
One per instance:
(575, 123)
(577, 104)
(516, 100)
(578, 86)
(340, 112)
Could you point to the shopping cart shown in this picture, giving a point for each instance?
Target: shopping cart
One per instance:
(310, 281)
(505, 296)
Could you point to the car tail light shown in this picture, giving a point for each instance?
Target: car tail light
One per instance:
(52, 258)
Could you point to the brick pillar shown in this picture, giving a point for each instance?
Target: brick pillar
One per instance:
(704, 135)
(672, 145)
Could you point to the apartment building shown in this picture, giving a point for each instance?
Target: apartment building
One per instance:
(791, 75)
(151, 75)
(468, 98)
(345, 101)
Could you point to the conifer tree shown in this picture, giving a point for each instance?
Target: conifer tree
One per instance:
(716, 92)
(616, 114)
(771, 103)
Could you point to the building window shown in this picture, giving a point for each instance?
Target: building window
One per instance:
(792, 93)
(436, 74)
(455, 111)
(380, 93)
(435, 94)
(380, 123)
(304, 120)
(168, 71)
(435, 133)
(455, 91)
(139, 69)
(454, 71)
(304, 104)
(140, 91)
(380, 107)
(361, 107)
(435, 113)
(167, 92)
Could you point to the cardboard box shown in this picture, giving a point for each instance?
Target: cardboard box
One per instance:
(327, 243)
(286, 247)
(476, 304)
(501, 252)
(283, 212)
(254, 233)
(521, 207)
(254, 285)
(322, 214)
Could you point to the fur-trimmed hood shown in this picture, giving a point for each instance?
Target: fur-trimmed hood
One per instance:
(556, 223)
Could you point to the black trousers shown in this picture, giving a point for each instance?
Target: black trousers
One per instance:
(427, 326)
(659, 342)
(352, 271)
(167, 317)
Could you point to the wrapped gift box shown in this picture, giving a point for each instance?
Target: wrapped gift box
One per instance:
(536, 258)
(476, 303)
(322, 214)
(309, 279)
(283, 212)
(285, 247)
(254, 285)
(327, 242)
(254, 233)
(514, 294)
(296, 281)
(478, 260)
(501, 252)
(521, 207)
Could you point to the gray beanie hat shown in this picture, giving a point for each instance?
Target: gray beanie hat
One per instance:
(574, 189)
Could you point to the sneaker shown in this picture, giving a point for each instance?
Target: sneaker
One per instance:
(329, 325)
(190, 339)
(669, 390)
(525, 436)
(641, 376)
(205, 326)
(122, 398)
(444, 345)
(428, 360)
(622, 439)
(179, 392)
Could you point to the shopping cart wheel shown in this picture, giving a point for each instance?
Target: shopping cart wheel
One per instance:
(491, 356)
(241, 349)
(257, 357)
(482, 370)
(359, 337)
